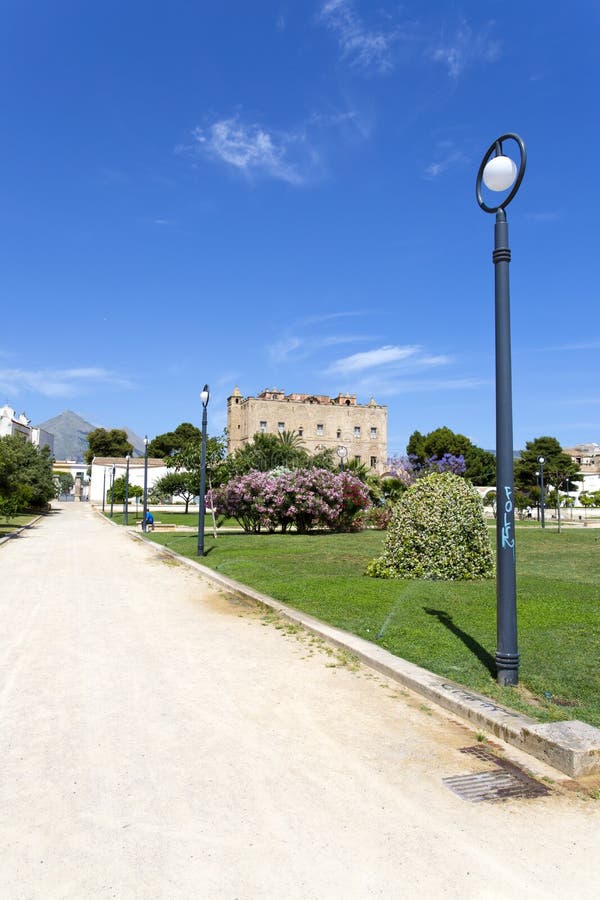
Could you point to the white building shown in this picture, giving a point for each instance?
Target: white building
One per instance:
(102, 473)
(11, 424)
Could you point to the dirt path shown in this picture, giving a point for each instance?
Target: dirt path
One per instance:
(160, 741)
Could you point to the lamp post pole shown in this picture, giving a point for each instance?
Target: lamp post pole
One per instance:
(144, 523)
(204, 397)
(541, 461)
(342, 452)
(127, 491)
(537, 484)
(500, 173)
(112, 491)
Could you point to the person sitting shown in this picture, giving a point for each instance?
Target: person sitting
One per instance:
(149, 521)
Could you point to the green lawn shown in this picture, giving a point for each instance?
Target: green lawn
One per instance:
(14, 523)
(172, 518)
(447, 627)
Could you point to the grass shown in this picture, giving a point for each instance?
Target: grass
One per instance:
(447, 627)
(14, 523)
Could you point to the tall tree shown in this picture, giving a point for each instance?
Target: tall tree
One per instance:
(559, 468)
(107, 443)
(480, 465)
(172, 442)
(25, 473)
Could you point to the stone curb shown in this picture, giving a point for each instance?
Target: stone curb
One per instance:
(13, 534)
(571, 747)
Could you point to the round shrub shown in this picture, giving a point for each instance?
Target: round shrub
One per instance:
(437, 531)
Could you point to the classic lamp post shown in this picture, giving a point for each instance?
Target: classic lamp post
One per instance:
(342, 452)
(112, 490)
(537, 484)
(144, 523)
(204, 397)
(541, 461)
(127, 491)
(500, 173)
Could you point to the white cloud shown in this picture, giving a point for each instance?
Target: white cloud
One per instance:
(58, 382)
(465, 48)
(390, 387)
(251, 149)
(450, 159)
(362, 47)
(369, 359)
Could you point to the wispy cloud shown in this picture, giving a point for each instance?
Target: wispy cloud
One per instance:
(252, 149)
(59, 382)
(361, 46)
(385, 356)
(448, 158)
(466, 47)
(390, 387)
(295, 348)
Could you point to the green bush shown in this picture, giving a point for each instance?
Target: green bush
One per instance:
(437, 531)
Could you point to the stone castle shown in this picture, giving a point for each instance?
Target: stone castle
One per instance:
(321, 422)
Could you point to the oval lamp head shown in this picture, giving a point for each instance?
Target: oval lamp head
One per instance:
(541, 460)
(500, 173)
(204, 395)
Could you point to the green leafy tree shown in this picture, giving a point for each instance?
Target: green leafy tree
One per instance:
(64, 483)
(172, 442)
(480, 464)
(559, 468)
(178, 484)
(119, 490)
(437, 531)
(107, 443)
(25, 473)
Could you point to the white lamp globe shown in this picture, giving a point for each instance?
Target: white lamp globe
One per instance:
(500, 173)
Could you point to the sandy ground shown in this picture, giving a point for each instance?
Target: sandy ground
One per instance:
(161, 741)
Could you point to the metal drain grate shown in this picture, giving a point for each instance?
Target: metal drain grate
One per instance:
(507, 782)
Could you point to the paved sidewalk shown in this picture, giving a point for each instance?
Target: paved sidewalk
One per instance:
(159, 741)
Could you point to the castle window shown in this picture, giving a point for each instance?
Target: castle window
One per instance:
(373, 433)
(357, 431)
(263, 427)
(373, 462)
(319, 429)
(357, 458)
(338, 433)
(301, 432)
(280, 427)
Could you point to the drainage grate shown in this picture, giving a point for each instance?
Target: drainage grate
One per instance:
(505, 783)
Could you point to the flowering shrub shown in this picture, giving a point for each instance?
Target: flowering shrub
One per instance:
(305, 498)
(437, 530)
(379, 517)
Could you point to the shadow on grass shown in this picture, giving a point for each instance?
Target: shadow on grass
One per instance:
(474, 646)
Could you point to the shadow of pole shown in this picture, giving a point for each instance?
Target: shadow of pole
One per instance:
(474, 646)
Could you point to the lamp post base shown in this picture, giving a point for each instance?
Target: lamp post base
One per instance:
(507, 668)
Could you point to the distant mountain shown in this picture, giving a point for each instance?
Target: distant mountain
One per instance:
(70, 436)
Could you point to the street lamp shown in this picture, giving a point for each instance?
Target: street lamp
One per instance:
(537, 484)
(204, 397)
(112, 490)
(145, 513)
(500, 173)
(127, 491)
(541, 461)
(342, 452)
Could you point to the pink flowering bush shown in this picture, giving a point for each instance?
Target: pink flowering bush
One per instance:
(305, 498)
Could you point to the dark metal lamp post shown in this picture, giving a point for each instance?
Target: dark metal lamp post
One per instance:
(541, 461)
(537, 484)
(500, 173)
(204, 397)
(112, 491)
(342, 452)
(127, 491)
(145, 512)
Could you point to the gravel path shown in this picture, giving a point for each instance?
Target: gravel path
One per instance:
(161, 741)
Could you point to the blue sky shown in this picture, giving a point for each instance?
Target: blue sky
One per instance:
(281, 194)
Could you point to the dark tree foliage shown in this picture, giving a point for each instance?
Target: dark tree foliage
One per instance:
(26, 477)
(266, 452)
(172, 442)
(559, 468)
(107, 443)
(480, 464)
(178, 484)
(119, 486)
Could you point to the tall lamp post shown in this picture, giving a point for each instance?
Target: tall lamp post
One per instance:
(112, 490)
(500, 173)
(342, 452)
(537, 484)
(127, 491)
(145, 512)
(204, 397)
(541, 461)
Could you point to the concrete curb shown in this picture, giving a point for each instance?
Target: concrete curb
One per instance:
(13, 534)
(572, 747)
